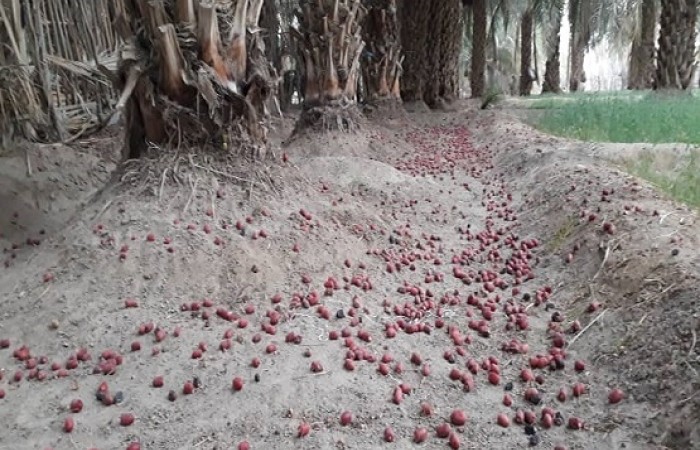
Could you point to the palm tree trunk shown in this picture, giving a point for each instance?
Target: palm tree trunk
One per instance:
(434, 40)
(443, 57)
(382, 61)
(576, 73)
(414, 19)
(330, 39)
(642, 63)
(478, 63)
(451, 45)
(526, 78)
(552, 72)
(676, 57)
(228, 81)
(580, 14)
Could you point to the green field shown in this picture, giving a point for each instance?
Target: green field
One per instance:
(630, 117)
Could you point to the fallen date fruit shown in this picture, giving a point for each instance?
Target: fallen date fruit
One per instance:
(503, 420)
(507, 400)
(458, 418)
(443, 430)
(416, 359)
(158, 381)
(237, 384)
(397, 397)
(345, 418)
(188, 388)
(76, 406)
(68, 425)
(453, 441)
(244, 445)
(130, 303)
(420, 435)
(579, 389)
(349, 365)
(303, 430)
(389, 435)
(547, 421)
(575, 423)
(561, 396)
(126, 419)
(615, 396)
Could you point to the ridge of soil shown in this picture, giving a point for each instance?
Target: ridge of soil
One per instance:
(426, 224)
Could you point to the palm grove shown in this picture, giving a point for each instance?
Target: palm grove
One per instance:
(206, 71)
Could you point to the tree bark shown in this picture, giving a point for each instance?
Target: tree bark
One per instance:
(435, 41)
(642, 61)
(526, 78)
(576, 73)
(450, 47)
(190, 86)
(330, 38)
(381, 62)
(478, 62)
(580, 13)
(414, 19)
(676, 57)
(552, 72)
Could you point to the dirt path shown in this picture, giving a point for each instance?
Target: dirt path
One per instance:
(419, 268)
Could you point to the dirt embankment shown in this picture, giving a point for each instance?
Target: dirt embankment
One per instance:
(380, 274)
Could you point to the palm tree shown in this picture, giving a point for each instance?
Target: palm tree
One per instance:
(478, 57)
(580, 13)
(643, 51)
(676, 55)
(526, 29)
(330, 40)
(551, 22)
(194, 72)
(414, 21)
(543, 14)
(381, 63)
(431, 36)
(444, 85)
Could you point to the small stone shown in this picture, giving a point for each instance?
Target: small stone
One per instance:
(118, 397)
(172, 396)
(675, 252)
(340, 314)
(558, 419)
(533, 440)
(257, 378)
(54, 325)
(508, 386)
(530, 430)
(196, 382)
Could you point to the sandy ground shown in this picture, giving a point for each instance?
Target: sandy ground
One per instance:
(424, 265)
